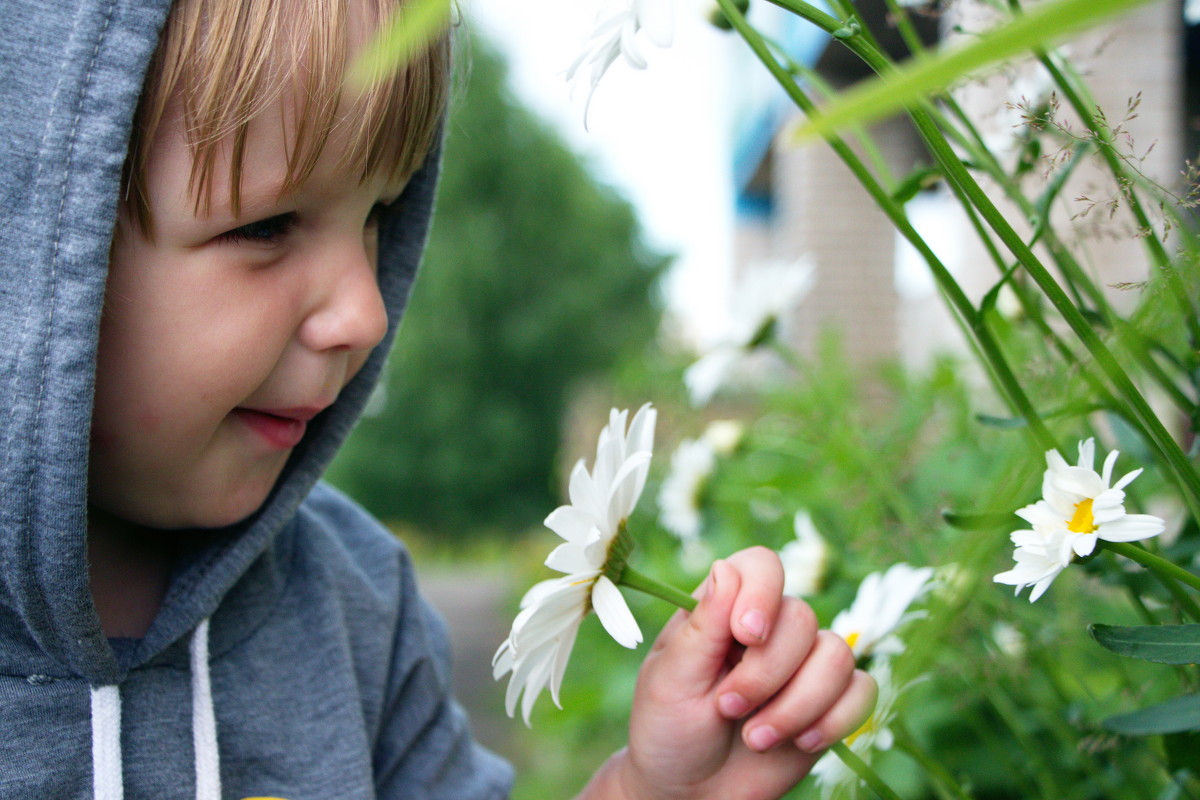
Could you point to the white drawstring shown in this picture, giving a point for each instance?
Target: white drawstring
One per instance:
(107, 779)
(204, 720)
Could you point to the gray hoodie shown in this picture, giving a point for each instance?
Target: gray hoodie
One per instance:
(292, 656)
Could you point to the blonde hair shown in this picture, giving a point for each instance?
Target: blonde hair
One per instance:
(227, 61)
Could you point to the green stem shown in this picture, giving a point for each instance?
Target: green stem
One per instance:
(955, 171)
(824, 90)
(1044, 773)
(1078, 279)
(1107, 149)
(864, 771)
(647, 585)
(1169, 573)
(1161, 439)
(976, 331)
(947, 781)
(912, 39)
(1152, 562)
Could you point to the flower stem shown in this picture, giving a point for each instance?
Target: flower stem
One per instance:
(1153, 562)
(1169, 573)
(905, 743)
(973, 326)
(956, 172)
(647, 585)
(864, 771)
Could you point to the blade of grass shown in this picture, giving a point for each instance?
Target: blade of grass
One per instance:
(408, 32)
(924, 74)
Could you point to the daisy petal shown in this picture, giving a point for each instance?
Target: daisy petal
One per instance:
(614, 613)
(1132, 528)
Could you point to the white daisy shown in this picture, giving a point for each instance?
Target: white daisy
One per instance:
(805, 559)
(1079, 507)
(616, 35)
(679, 498)
(759, 303)
(830, 772)
(880, 608)
(593, 529)
(1009, 640)
(724, 435)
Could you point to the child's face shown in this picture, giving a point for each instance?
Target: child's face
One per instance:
(225, 335)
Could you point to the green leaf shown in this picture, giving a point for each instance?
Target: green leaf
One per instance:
(984, 521)
(1164, 644)
(923, 75)
(914, 182)
(1005, 423)
(988, 303)
(405, 35)
(1177, 715)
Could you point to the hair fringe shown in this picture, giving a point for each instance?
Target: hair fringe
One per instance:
(225, 62)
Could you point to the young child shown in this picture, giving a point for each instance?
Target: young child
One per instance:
(202, 275)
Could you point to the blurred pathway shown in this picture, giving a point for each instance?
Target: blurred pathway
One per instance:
(477, 604)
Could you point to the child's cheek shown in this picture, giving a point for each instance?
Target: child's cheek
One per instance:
(149, 420)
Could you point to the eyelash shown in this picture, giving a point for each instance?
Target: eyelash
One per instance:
(271, 229)
(263, 231)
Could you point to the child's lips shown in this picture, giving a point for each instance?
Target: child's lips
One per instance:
(281, 428)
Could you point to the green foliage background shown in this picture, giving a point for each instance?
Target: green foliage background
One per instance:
(535, 277)
(877, 455)
(1008, 699)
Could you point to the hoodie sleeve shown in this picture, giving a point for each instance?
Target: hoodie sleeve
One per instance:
(425, 748)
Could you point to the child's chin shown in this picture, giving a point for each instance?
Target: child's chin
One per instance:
(211, 516)
(224, 514)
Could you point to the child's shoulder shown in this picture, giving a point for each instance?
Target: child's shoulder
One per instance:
(344, 543)
(346, 562)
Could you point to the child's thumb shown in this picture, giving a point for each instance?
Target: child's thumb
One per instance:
(695, 653)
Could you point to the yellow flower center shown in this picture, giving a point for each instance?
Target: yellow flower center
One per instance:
(852, 639)
(867, 727)
(1083, 521)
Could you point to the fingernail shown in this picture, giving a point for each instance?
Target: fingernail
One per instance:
(732, 705)
(810, 741)
(711, 588)
(762, 738)
(755, 623)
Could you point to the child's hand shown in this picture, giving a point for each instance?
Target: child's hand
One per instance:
(739, 698)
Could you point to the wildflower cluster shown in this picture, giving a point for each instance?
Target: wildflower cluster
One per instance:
(872, 626)
(1123, 370)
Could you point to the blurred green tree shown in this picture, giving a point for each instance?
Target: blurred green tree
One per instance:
(536, 276)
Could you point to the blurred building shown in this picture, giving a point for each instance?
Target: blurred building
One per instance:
(870, 287)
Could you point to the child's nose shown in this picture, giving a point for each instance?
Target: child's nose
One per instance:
(348, 312)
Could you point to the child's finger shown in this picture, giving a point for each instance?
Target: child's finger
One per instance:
(692, 649)
(680, 618)
(850, 713)
(767, 668)
(810, 693)
(758, 602)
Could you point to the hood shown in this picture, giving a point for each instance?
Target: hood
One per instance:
(72, 73)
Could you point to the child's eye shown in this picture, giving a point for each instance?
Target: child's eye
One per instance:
(263, 231)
